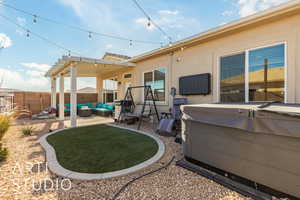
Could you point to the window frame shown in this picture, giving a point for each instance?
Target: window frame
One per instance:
(127, 74)
(166, 83)
(246, 51)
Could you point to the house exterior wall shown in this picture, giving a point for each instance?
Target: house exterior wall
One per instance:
(204, 58)
(121, 82)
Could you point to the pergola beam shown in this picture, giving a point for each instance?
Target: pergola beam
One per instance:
(65, 61)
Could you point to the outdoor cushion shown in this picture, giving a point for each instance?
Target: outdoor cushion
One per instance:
(91, 105)
(103, 109)
(109, 107)
(99, 105)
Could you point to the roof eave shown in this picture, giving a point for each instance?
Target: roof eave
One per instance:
(218, 31)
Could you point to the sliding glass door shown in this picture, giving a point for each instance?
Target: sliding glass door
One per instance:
(233, 78)
(266, 74)
(260, 72)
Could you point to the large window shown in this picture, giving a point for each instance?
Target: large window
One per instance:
(157, 80)
(233, 78)
(266, 74)
(265, 71)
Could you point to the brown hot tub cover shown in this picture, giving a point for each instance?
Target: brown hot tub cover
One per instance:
(278, 119)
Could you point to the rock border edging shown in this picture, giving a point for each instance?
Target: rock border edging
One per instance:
(56, 168)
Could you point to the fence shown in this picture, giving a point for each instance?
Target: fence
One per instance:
(6, 102)
(35, 102)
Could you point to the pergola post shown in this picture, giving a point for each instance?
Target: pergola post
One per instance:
(73, 72)
(61, 97)
(53, 92)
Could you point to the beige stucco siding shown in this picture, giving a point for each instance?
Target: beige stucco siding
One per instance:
(204, 58)
(120, 77)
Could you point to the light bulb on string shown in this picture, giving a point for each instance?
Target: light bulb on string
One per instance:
(34, 19)
(149, 22)
(90, 35)
(130, 43)
(28, 33)
(69, 53)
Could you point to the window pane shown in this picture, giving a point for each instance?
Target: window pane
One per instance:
(266, 74)
(109, 97)
(233, 78)
(148, 80)
(159, 84)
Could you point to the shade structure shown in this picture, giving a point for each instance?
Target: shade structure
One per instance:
(86, 67)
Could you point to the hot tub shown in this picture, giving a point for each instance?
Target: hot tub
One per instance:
(259, 144)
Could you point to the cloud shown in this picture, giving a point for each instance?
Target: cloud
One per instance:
(5, 41)
(227, 13)
(96, 14)
(22, 22)
(169, 19)
(248, 7)
(168, 12)
(40, 67)
(35, 73)
(16, 80)
(108, 46)
(32, 80)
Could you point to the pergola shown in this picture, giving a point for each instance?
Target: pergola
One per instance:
(73, 67)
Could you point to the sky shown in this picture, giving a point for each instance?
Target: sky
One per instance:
(24, 60)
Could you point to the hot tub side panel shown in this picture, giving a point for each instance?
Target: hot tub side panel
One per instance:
(270, 160)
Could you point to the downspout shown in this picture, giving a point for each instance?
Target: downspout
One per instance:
(170, 85)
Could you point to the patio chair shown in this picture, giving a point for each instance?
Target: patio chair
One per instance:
(172, 121)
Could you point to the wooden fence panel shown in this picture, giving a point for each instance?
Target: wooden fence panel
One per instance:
(38, 101)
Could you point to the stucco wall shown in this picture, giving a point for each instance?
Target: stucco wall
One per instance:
(204, 58)
(120, 77)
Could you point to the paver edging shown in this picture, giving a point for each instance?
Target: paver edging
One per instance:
(56, 168)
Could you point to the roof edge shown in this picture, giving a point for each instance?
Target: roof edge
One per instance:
(239, 23)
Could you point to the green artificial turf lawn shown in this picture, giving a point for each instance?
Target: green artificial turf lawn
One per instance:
(101, 148)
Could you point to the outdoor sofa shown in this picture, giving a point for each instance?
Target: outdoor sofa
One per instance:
(97, 108)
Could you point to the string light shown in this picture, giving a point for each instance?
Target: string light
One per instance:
(130, 43)
(35, 17)
(150, 20)
(90, 35)
(38, 35)
(69, 53)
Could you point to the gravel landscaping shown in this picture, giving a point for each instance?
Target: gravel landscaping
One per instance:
(26, 153)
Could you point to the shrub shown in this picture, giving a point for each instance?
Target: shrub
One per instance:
(3, 153)
(27, 130)
(5, 121)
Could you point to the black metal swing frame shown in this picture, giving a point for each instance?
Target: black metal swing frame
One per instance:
(148, 98)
